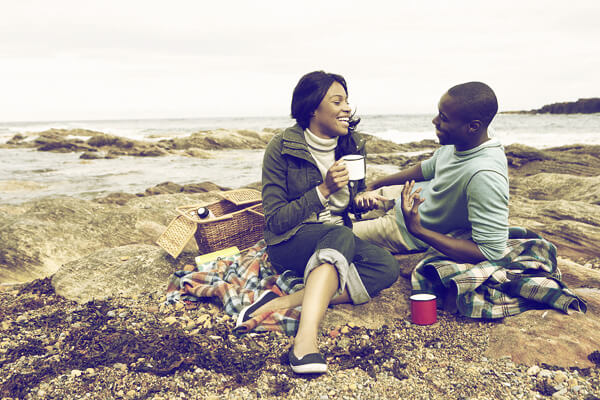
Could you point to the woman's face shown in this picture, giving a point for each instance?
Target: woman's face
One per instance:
(331, 118)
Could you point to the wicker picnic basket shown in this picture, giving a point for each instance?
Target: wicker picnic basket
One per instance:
(238, 221)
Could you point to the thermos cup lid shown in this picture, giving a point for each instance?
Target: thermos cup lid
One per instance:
(203, 212)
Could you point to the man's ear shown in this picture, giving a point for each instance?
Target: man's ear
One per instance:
(475, 125)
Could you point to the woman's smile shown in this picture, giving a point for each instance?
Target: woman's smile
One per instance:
(332, 117)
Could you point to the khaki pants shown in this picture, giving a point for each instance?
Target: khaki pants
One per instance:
(380, 226)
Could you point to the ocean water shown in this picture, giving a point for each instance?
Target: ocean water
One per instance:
(28, 174)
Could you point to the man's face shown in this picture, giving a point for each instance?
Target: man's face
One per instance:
(450, 128)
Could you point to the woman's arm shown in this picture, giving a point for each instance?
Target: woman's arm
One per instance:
(282, 215)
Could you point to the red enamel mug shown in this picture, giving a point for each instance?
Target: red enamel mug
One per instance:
(423, 308)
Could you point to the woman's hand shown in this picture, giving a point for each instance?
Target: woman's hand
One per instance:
(367, 201)
(336, 178)
(410, 207)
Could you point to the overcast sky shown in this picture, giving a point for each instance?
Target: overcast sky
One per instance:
(120, 59)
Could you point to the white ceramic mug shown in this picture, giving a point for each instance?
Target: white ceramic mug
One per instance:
(355, 163)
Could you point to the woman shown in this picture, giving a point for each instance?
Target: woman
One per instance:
(306, 198)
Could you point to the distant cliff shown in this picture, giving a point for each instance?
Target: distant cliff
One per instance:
(581, 106)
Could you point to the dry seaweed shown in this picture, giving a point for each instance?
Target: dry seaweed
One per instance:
(129, 339)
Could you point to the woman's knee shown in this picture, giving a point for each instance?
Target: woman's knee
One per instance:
(326, 269)
(340, 238)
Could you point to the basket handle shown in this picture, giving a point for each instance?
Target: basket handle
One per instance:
(184, 211)
(250, 209)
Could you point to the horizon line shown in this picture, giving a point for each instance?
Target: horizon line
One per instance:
(6, 122)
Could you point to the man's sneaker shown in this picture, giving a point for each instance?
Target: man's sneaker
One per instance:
(312, 363)
(246, 313)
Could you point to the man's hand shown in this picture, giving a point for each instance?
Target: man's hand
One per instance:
(336, 178)
(367, 201)
(460, 250)
(410, 207)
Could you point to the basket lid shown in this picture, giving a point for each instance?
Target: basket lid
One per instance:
(242, 196)
(176, 236)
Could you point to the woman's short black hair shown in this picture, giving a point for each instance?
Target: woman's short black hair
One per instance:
(310, 91)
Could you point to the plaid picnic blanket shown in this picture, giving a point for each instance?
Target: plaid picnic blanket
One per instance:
(237, 281)
(526, 278)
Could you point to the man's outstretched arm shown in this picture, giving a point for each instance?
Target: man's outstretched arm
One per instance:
(413, 173)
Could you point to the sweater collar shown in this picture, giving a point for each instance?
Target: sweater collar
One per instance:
(319, 143)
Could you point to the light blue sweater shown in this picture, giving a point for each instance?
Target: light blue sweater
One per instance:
(465, 190)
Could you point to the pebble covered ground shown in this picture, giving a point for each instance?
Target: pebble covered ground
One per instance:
(136, 348)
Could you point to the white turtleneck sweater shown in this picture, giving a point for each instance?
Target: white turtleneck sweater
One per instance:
(323, 151)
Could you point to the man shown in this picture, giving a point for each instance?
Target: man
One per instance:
(464, 185)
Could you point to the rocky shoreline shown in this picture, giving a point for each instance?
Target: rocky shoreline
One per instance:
(89, 322)
(94, 145)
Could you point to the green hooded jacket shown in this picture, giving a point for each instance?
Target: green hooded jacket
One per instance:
(290, 177)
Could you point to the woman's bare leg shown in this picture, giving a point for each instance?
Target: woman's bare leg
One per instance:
(320, 286)
(294, 300)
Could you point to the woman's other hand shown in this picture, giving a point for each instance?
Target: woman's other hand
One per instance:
(371, 200)
(336, 178)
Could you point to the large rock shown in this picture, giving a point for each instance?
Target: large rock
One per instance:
(220, 139)
(61, 144)
(549, 336)
(37, 237)
(125, 271)
(579, 160)
(565, 209)
(171, 187)
(375, 145)
(553, 186)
